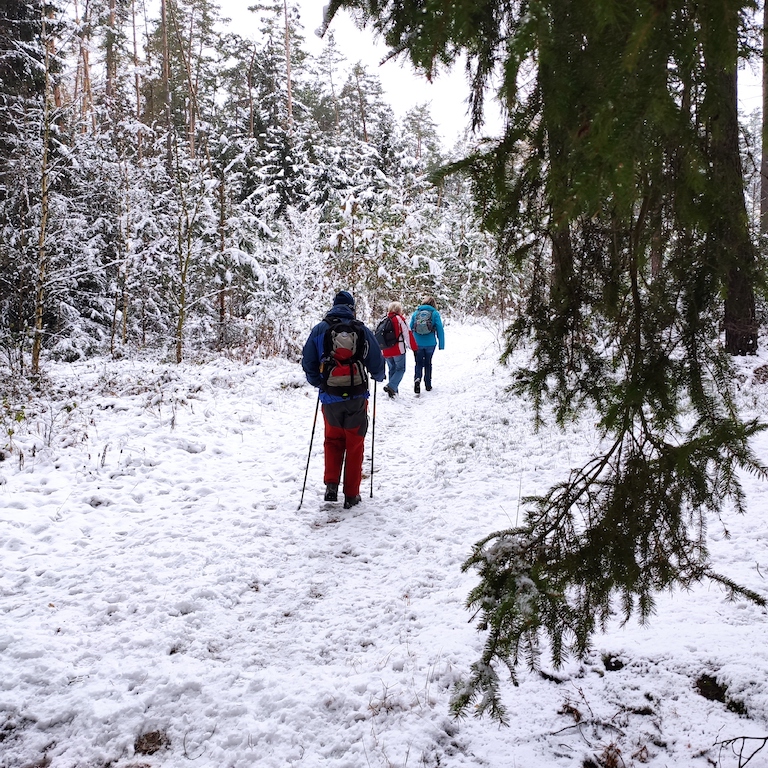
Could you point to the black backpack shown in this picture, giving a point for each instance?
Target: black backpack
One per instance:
(386, 334)
(342, 365)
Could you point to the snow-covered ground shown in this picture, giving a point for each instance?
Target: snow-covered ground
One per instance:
(164, 603)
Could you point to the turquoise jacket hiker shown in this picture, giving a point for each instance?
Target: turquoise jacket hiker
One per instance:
(437, 337)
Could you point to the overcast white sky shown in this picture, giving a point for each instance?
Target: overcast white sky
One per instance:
(750, 87)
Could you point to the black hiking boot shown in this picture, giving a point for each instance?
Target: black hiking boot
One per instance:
(389, 391)
(428, 387)
(351, 501)
(417, 386)
(331, 491)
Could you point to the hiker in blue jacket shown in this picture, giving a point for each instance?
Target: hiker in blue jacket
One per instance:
(336, 355)
(427, 327)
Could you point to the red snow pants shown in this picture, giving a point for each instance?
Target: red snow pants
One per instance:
(346, 424)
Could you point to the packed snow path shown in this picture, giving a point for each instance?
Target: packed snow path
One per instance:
(159, 587)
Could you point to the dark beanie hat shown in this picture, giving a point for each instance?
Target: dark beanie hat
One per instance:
(343, 297)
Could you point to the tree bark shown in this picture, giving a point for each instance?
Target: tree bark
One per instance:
(42, 252)
(222, 247)
(111, 54)
(764, 157)
(137, 84)
(361, 101)
(289, 95)
(166, 83)
(730, 235)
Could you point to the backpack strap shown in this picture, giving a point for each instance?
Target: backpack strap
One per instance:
(331, 321)
(400, 328)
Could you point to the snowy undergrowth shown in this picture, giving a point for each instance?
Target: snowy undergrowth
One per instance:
(163, 602)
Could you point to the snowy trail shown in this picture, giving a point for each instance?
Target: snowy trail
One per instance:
(381, 562)
(157, 576)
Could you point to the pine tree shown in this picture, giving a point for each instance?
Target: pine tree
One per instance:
(23, 91)
(326, 87)
(605, 187)
(45, 192)
(730, 236)
(764, 132)
(166, 203)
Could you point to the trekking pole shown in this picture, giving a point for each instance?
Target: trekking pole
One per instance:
(373, 432)
(311, 440)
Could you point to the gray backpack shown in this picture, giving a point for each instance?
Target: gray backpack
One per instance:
(423, 324)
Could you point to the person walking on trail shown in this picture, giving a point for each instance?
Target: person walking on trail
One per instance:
(337, 357)
(427, 327)
(395, 354)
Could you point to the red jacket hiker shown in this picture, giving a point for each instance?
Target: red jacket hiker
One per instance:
(405, 338)
(395, 355)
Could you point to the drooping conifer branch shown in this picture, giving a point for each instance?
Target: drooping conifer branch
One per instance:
(617, 187)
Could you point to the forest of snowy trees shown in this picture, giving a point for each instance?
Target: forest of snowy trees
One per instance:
(166, 185)
(171, 185)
